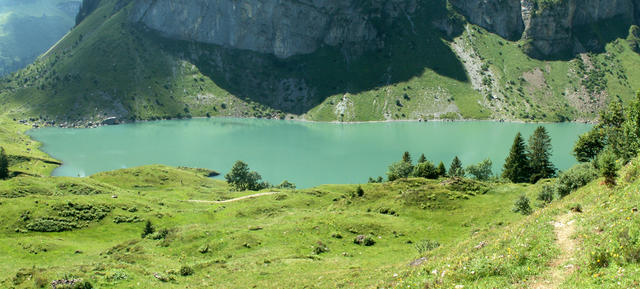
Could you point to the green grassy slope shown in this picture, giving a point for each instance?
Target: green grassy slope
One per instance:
(606, 239)
(108, 67)
(303, 238)
(268, 241)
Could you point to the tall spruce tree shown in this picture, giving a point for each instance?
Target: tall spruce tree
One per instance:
(456, 169)
(539, 153)
(422, 159)
(516, 166)
(442, 170)
(406, 157)
(4, 164)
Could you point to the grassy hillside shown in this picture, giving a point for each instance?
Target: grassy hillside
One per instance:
(108, 67)
(603, 249)
(60, 228)
(30, 28)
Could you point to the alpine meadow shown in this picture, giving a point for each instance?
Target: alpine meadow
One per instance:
(319, 144)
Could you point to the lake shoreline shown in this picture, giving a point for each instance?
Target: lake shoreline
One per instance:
(91, 124)
(305, 153)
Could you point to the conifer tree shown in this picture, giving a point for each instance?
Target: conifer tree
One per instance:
(516, 166)
(456, 169)
(4, 164)
(422, 159)
(539, 153)
(406, 157)
(442, 170)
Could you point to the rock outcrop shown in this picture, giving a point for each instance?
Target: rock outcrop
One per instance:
(499, 16)
(551, 27)
(283, 28)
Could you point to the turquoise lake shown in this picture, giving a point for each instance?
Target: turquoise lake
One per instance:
(305, 153)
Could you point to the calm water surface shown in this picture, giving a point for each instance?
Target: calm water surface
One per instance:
(306, 154)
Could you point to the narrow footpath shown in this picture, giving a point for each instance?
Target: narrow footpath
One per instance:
(562, 266)
(234, 200)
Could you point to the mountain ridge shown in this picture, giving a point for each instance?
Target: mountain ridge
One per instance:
(427, 62)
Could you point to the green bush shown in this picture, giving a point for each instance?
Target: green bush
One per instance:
(186, 271)
(364, 240)
(80, 189)
(320, 248)
(126, 219)
(83, 212)
(522, 206)
(52, 224)
(481, 171)
(399, 170)
(160, 234)
(425, 170)
(286, 185)
(546, 194)
(359, 191)
(426, 246)
(608, 168)
(148, 229)
(241, 178)
(575, 178)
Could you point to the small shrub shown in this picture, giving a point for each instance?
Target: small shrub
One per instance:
(204, 249)
(359, 191)
(387, 211)
(320, 248)
(52, 224)
(160, 234)
(425, 170)
(148, 229)
(336, 235)
(364, 240)
(481, 171)
(522, 206)
(575, 178)
(608, 168)
(125, 219)
(71, 284)
(186, 271)
(426, 246)
(576, 208)
(399, 170)
(546, 194)
(117, 276)
(286, 185)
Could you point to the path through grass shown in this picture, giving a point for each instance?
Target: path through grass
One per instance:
(562, 266)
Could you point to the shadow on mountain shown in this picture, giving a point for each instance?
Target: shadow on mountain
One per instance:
(590, 38)
(299, 83)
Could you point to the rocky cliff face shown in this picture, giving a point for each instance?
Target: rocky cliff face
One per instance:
(552, 28)
(500, 16)
(282, 28)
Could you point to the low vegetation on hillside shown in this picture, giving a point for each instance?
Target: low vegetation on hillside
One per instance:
(165, 227)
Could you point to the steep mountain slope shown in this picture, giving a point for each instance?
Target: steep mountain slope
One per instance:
(29, 28)
(330, 60)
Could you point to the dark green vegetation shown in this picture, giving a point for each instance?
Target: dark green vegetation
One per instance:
(617, 133)
(516, 166)
(241, 179)
(530, 163)
(107, 67)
